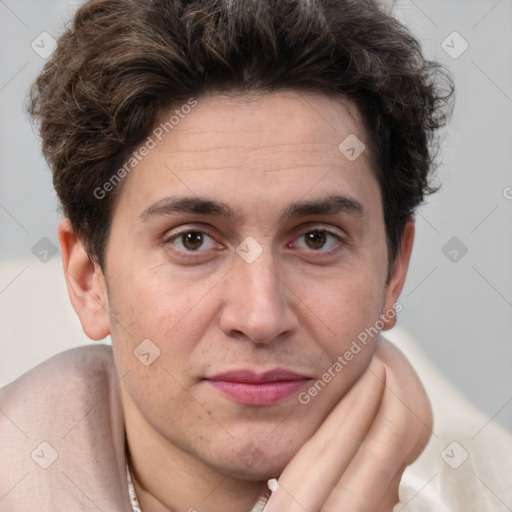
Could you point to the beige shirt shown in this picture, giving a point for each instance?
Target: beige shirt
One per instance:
(62, 444)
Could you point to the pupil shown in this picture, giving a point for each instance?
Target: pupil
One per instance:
(193, 240)
(316, 239)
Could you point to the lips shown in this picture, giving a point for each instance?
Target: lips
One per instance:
(258, 388)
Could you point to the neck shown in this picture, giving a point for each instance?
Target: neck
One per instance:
(168, 479)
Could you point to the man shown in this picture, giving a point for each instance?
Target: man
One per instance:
(238, 181)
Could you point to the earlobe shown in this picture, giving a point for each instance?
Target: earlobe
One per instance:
(86, 284)
(397, 279)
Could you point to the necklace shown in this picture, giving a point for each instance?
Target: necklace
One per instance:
(258, 507)
(131, 491)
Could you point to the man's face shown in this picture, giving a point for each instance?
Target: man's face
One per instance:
(245, 243)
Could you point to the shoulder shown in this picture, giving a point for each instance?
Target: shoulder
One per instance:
(64, 372)
(61, 425)
(60, 388)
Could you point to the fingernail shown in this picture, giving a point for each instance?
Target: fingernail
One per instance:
(273, 484)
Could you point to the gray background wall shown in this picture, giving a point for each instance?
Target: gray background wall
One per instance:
(458, 304)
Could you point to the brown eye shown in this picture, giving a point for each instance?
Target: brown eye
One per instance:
(315, 239)
(192, 240)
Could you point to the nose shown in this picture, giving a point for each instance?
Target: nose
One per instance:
(258, 305)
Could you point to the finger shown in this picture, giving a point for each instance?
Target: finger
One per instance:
(311, 475)
(348, 498)
(403, 382)
(366, 483)
(401, 426)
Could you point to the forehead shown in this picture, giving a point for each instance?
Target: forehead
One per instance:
(253, 148)
(279, 120)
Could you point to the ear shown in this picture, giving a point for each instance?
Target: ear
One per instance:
(398, 274)
(86, 284)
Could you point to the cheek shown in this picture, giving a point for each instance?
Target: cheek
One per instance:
(154, 333)
(342, 306)
(156, 324)
(343, 315)
(154, 304)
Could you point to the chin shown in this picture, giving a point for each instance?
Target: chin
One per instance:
(257, 460)
(260, 471)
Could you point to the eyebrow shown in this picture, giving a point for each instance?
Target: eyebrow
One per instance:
(170, 205)
(330, 205)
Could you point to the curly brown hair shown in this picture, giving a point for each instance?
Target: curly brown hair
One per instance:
(121, 63)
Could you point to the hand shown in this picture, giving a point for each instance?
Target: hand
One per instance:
(355, 460)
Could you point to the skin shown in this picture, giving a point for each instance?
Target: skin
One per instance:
(297, 306)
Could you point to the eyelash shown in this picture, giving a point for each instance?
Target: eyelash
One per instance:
(192, 255)
(341, 243)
